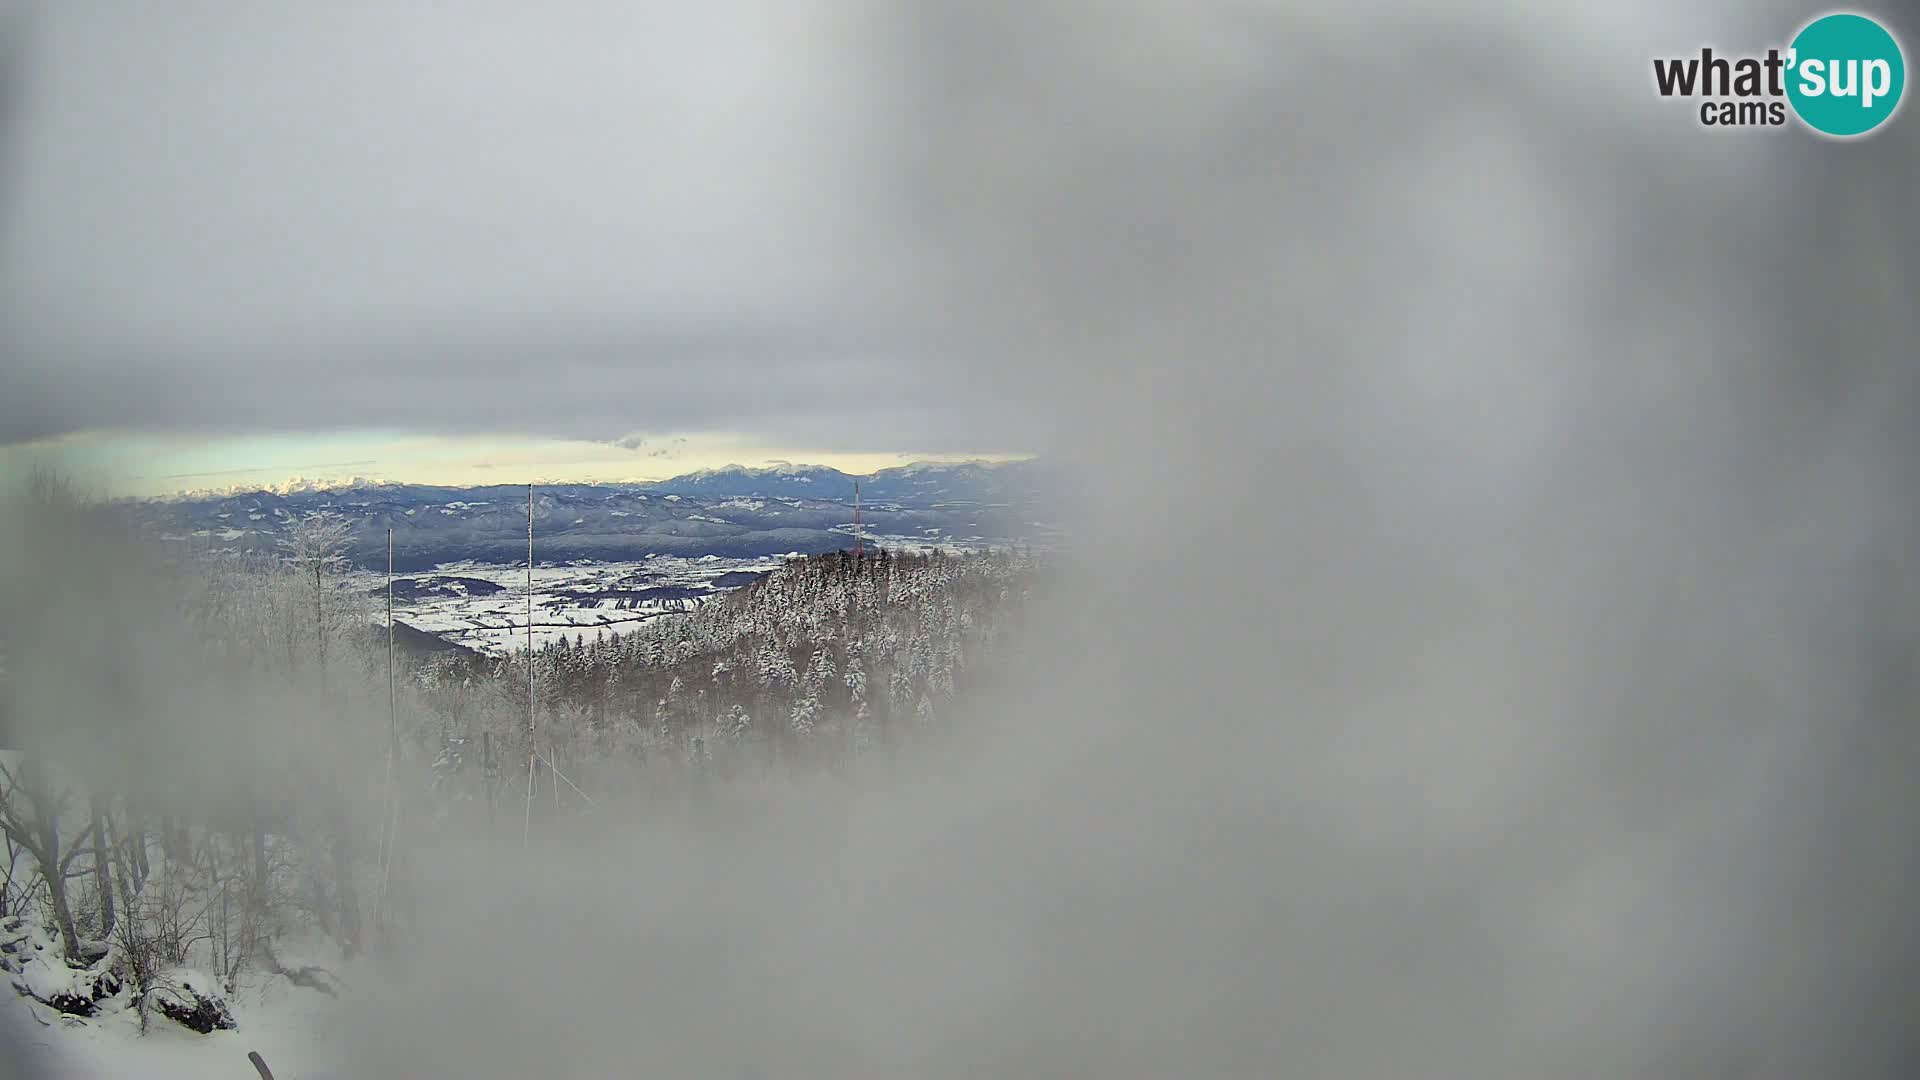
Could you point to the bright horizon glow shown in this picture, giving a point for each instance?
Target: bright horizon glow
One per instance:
(117, 464)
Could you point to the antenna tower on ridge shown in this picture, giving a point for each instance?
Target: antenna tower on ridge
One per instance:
(534, 756)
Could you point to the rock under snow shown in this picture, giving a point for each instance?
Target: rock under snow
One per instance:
(36, 962)
(190, 998)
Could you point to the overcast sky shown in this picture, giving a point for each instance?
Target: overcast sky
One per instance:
(517, 236)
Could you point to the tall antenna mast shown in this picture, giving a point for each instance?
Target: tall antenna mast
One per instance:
(533, 747)
(526, 825)
(389, 808)
(856, 518)
(393, 709)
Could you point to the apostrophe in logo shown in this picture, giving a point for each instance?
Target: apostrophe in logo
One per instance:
(1846, 75)
(1843, 75)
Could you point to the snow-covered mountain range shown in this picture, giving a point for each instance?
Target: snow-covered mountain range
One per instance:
(919, 483)
(734, 512)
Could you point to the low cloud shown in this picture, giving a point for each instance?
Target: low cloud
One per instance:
(570, 227)
(671, 448)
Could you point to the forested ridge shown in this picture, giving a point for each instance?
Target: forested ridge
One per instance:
(826, 648)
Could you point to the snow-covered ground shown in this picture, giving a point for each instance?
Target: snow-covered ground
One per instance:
(294, 1029)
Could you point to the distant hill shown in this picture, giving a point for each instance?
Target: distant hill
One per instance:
(416, 643)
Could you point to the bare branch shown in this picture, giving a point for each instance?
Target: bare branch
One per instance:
(75, 850)
(18, 833)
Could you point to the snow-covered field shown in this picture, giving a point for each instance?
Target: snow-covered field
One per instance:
(484, 606)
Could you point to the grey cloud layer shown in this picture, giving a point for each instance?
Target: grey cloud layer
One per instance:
(571, 223)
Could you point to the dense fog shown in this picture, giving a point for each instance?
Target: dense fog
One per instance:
(1486, 646)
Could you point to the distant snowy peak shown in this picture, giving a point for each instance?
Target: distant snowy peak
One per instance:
(815, 481)
(956, 481)
(778, 468)
(976, 480)
(298, 485)
(920, 467)
(301, 485)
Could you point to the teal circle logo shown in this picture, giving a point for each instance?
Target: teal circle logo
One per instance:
(1845, 75)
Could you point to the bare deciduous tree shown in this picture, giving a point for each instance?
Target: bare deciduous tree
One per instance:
(317, 547)
(31, 802)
